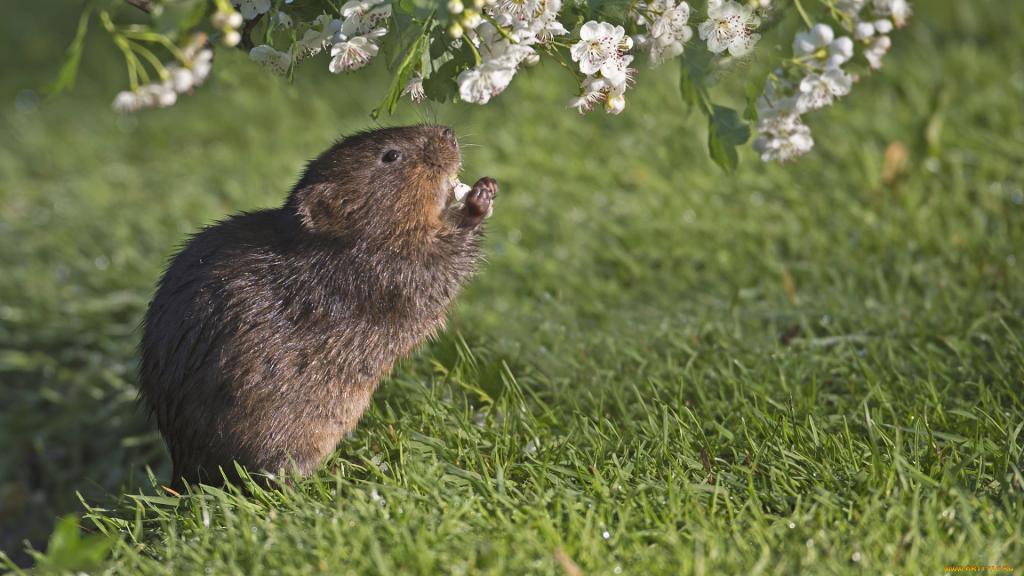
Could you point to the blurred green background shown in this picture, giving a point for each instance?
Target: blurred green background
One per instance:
(668, 323)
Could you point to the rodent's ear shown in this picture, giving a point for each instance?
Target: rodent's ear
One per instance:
(313, 206)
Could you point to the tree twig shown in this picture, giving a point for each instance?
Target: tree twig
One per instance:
(246, 43)
(143, 5)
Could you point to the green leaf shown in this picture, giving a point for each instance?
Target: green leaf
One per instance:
(180, 16)
(439, 43)
(69, 70)
(411, 59)
(695, 79)
(726, 132)
(753, 92)
(441, 85)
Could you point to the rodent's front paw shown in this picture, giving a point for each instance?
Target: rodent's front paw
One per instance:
(479, 202)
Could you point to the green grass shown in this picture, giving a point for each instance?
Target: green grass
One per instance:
(662, 369)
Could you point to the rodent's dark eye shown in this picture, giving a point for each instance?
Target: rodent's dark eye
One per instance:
(391, 155)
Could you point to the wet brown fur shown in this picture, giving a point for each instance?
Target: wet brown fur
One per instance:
(270, 331)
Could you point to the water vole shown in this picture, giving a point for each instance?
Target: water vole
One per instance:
(270, 331)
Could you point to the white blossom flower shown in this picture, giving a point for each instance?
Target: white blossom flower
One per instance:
(519, 8)
(782, 138)
(318, 37)
(730, 26)
(364, 17)
(874, 35)
(353, 43)
(667, 23)
(601, 56)
(609, 89)
(615, 104)
(818, 37)
(820, 90)
(545, 24)
(529, 21)
(778, 98)
(460, 190)
(598, 46)
(414, 88)
(615, 99)
(353, 7)
(898, 10)
(820, 44)
(478, 85)
(851, 8)
(840, 51)
(593, 91)
(251, 8)
(876, 50)
(494, 47)
(274, 60)
(617, 71)
(500, 58)
(524, 23)
(353, 54)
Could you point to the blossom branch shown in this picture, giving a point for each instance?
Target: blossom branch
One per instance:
(143, 5)
(247, 28)
(488, 42)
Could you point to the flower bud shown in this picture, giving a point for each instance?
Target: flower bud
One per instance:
(455, 30)
(864, 30)
(471, 19)
(615, 104)
(455, 7)
(232, 38)
(126, 101)
(182, 79)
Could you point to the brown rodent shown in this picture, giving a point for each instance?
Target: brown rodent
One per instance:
(270, 330)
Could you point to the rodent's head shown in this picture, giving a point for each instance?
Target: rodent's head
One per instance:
(393, 182)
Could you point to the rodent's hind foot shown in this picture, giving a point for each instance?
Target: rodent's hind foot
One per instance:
(479, 202)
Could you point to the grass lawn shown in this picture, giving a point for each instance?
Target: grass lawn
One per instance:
(815, 368)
